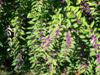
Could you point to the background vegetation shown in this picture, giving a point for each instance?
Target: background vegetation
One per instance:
(50, 37)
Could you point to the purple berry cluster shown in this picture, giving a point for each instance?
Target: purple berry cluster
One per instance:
(19, 60)
(94, 45)
(48, 40)
(98, 58)
(67, 39)
(93, 42)
(86, 10)
(57, 32)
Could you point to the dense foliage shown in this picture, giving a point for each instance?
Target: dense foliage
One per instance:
(50, 37)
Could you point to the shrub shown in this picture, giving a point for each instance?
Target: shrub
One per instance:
(56, 37)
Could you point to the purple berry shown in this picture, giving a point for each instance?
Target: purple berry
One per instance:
(98, 58)
(67, 39)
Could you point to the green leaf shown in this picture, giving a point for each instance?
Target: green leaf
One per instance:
(78, 2)
(79, 14)
(1, 45)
